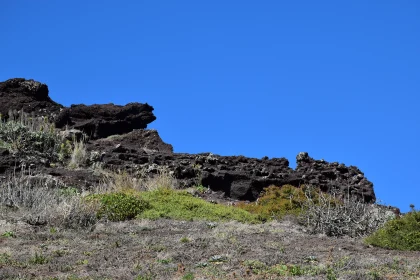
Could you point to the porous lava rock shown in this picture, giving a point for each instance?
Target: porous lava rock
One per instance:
(101, 121)
(117, 139)
(28, 95)
(334, 176)
(239, 177)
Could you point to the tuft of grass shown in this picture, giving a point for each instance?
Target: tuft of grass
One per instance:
(78, 156)
(9, 234)
(399, 234)
(164, 179)
(184, 240)
(181, 205)
(38, 258)
(119, 206)
(188, 276)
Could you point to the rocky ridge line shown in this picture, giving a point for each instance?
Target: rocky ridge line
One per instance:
(119, 135)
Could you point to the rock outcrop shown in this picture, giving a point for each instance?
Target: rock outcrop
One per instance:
(239, 177)
(117, 139)
(27, 95)
(101, 121)
(334, 176)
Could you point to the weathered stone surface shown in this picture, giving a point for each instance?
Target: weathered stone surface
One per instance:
(240, 177)
(100, 121)
(117, 140)
(29, 95)
(334, 176)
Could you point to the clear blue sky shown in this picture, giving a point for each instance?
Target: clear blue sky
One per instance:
(338, 79)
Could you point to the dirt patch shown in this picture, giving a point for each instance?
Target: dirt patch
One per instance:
(168, 249)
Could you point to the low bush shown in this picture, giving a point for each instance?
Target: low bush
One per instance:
(275, 202)
(338, 214)
(181, 205)
(119, 206)
(399, 234)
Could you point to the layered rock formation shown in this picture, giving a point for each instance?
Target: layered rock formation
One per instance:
(118, 135)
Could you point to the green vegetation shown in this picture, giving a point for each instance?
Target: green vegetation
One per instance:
(181, 205)
(188, 276)
(283, 270)
(9, 234)
(119, 206)
(399, 234)
(38, 258)
(276, 202)
(184, 240)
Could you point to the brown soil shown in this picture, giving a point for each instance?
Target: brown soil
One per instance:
(168, 249)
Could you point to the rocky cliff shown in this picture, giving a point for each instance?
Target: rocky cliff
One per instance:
(119, 136)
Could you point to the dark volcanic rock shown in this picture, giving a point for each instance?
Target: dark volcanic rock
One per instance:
(29, 95)
(6, 161)
(133, 147)
(118, 140)
(334, 176)
(237, 176)
(101, 121)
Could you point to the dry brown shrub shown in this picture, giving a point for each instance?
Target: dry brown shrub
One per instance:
(42, 200)
(338, 214)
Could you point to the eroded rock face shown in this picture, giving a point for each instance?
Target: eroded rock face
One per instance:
(334, 176)
(100, 121)
(238, 177)
(117, 139)
(29, 95)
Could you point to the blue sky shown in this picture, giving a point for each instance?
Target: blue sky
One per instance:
(337, 79)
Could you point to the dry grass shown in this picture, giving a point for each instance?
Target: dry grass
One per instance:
(121, 180)
(42, 200)
(169, 249)
(24, 135)
(78, 155)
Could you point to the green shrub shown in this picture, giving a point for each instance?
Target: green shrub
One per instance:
(275, 202)
(399, 234)
(119, 206)
(181, 205)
